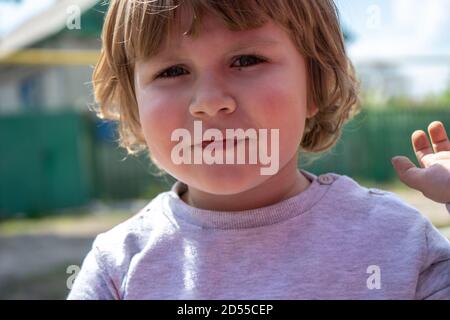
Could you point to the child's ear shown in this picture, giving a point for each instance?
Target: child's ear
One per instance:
(312, 110)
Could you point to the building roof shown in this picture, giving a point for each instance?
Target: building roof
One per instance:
(41, 26)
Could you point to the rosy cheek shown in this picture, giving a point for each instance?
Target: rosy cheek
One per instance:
(280, 109)
(152, 107)
(274, 107)
(159, 117)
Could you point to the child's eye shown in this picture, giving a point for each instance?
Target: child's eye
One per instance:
(171, 72)
(245, 61)
(249, 60)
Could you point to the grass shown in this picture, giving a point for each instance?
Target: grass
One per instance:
(75, 222)
(51, 285)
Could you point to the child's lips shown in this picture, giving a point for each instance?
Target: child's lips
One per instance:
(206, 142)
(218, 143)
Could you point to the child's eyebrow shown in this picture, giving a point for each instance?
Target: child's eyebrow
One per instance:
(176, 52)
(258, 42)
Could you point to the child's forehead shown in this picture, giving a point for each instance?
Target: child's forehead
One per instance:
(221, 26)
(214, 31)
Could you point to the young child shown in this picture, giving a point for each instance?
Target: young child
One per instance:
(231, 230)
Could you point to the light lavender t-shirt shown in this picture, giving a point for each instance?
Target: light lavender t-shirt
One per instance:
(335, 240)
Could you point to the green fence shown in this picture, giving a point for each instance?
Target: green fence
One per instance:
(117, 176)
(371, 139)
(45, 162)
(51, 161)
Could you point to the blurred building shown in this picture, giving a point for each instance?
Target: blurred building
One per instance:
(46, 64)
(381, 81)
(29, 84)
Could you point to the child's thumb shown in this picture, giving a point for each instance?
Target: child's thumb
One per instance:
(407, 171)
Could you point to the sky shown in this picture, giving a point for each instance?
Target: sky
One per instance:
(396, 30)
(382, 29)
(14, 12)
(397, 27)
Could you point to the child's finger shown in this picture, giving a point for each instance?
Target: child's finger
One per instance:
(421, 145)
(438, 137)
(408, 173)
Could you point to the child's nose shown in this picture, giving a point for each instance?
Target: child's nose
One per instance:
(211, 99)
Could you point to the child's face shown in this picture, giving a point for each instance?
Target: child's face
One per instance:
(211, 82)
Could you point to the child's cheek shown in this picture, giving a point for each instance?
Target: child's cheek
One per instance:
(283, 108)
(158, 120)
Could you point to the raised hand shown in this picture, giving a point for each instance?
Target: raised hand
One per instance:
(433, 176)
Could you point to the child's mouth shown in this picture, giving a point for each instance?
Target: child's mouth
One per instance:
(218, 143)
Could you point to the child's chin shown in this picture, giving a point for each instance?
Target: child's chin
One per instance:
(223, 181)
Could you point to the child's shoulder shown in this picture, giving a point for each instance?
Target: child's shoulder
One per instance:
(375, 215)
(132, 234)
(371, 204)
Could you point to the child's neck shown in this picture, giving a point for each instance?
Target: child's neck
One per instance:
(287, 183)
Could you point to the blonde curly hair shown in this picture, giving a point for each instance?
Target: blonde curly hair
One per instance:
(135, 29)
